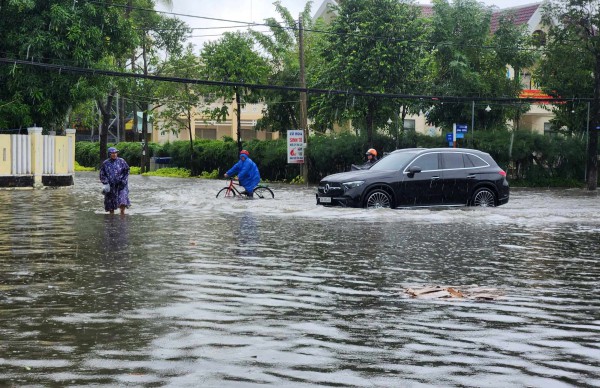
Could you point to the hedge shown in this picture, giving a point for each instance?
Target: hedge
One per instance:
(529, 158)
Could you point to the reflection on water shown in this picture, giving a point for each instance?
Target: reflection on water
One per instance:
(188, 290)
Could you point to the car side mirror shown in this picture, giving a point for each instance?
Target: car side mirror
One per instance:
(412, 170)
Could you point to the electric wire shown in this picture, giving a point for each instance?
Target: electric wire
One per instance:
(348, 92)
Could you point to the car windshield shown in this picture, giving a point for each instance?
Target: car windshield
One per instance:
(394, 161)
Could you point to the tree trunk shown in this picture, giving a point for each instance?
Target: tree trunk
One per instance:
(145, 160)
(105, 111)
(189, 125)
(122, 115)
(370, 119)
(592, 162)
(239, 121)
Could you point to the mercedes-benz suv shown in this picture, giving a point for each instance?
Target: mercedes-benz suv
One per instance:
(420, 177)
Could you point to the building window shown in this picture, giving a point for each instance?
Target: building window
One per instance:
(248, 134)
(539, 38)
(206, 133)
(548, 130)
(526, 81)
(409, 125)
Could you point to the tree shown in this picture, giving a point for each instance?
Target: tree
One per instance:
(233, 59)
(571, 65)
(160, 39)
(370, 47)
(59, 32)
(470, 61)
(281, 45)
(182, 99)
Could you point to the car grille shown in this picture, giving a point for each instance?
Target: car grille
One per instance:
(330, 189)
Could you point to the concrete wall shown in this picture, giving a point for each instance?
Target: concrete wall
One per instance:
(37, 160)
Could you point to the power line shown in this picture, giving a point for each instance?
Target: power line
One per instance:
(429, 98)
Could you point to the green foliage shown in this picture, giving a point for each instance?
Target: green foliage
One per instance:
(466, 66)
(530, 159)
(299, 180)
(135, 170)
(87, 154)
(172, 172)
(232, 59)
(281, 47)
(214, 174)
(369, 49)
(78, 167)
(57, 32)
(177, 114)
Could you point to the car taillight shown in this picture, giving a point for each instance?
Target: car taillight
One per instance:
(502, 172)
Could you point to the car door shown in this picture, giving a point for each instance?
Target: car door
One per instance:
(455, 178)
(423, 188)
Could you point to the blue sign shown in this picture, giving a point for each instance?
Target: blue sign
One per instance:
(450, 144)
(460, 135)
(449, 137)
(461, 128)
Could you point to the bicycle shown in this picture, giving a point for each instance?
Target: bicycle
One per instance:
(260, 191)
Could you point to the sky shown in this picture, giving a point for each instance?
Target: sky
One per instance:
(197, 13)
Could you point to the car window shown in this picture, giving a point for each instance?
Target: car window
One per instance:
(453, 160)
(474, 161)
(395, 161)
(427, 162)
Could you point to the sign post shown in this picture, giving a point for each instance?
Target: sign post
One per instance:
(454, 135)
(458, 132)
(450, 139)
(295, 146)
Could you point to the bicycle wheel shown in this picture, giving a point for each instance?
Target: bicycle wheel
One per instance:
(263, 192)
(225, 192)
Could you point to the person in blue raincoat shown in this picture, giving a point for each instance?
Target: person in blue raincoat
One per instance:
(114, 175)
(247, 173)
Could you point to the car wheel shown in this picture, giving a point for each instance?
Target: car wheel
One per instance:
(484, 197)
(377, 199)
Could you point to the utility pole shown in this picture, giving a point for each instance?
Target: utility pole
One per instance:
(303, 104)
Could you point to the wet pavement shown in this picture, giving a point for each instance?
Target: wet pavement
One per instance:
(189, 290)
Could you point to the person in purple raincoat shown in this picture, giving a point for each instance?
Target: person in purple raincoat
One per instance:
(114, 174)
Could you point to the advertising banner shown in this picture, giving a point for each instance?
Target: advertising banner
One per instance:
(295, 146)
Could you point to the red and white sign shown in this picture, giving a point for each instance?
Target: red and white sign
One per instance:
(295, 148)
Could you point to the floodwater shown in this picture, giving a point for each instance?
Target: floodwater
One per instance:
(189, 290)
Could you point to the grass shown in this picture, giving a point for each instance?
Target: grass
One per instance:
(173, 172)
(79, 167)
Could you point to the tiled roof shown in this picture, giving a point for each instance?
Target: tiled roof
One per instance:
(426, 10)
(521, 14)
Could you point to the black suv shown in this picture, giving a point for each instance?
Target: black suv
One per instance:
(420, 177)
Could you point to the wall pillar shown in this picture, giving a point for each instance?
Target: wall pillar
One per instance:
(70, 132)
(37, 154)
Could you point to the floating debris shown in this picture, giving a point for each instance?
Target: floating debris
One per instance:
(454, 292)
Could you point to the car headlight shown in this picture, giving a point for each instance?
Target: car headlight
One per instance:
(351, 185)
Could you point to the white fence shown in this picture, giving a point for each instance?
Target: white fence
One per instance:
(21, 155)
(47, 159)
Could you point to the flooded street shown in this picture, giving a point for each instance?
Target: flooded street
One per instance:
(189, 290)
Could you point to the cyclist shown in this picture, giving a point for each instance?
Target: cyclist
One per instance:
(247, 173)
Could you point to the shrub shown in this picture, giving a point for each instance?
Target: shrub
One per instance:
(529, 158)
(173, 172)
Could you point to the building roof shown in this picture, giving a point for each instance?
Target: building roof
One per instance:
(522, 14)
(426, 10)
(529, 14)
